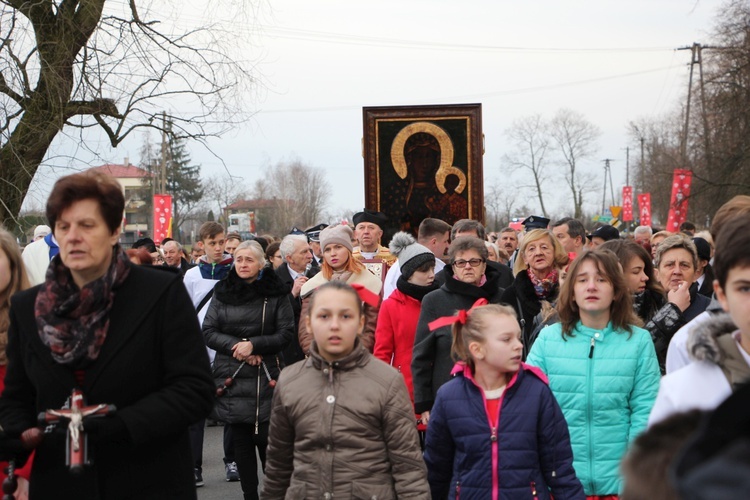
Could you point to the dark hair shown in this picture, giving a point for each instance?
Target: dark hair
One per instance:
(429, 228)
(740, 204)
(646, 466)
(465, 225)
(621, 311)
(476, 321)
(233, 236)
(209, 230)
(575, 228)
(627, 250)
(509, 229)
(271, 250)
(732, 247)
(88, 185)
(687, 226)
(335, 285)
(467, 243)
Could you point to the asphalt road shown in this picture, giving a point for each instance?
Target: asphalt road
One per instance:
(216, 485)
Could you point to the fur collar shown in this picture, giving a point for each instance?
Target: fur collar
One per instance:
(233, 290)
(702, 342)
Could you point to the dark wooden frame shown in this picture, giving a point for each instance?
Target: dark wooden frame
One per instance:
(461, 123)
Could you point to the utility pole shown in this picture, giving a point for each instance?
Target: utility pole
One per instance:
(607, 178)
(163, 178)
(696, 57)
(627, 165)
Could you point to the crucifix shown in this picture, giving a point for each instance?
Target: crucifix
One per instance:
(76, 441)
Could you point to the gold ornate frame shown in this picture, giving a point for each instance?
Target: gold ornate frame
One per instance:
(389, 183)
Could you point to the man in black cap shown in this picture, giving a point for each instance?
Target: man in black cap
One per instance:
(535, 222)
(313, 236)
(602, 234)
(368, 229)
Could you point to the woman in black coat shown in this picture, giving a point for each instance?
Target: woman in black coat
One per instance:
(538, 264)
(467, 279)
(249, 322)
(125, 335)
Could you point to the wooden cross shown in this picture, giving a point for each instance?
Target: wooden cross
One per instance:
(77, 441)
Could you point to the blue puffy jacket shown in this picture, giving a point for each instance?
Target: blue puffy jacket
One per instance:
(527, 454)
(606, 383)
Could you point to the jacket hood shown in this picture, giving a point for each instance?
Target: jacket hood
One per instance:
(463, 369)
(702, 342)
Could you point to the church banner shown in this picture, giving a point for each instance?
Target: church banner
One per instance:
(162, 217)
(627, 203)
(678, 204)
(644, 208)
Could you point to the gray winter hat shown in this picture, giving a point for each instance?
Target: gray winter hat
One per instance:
(410, 254)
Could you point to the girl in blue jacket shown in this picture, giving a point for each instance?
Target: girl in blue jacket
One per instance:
(602, 369)
(496, 430)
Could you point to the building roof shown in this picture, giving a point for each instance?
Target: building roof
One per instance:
(122, 171)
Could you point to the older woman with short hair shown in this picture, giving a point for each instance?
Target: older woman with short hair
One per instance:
(537, 270)
(124, 335)
(249, 322)
(467, 279)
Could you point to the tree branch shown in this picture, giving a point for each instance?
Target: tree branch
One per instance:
(104, 107)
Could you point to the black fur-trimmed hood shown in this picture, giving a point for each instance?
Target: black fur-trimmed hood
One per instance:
(702, 342)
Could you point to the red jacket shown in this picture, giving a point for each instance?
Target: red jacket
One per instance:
(394, 335)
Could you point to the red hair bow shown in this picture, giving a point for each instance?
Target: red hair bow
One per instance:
(366, 296)
(458, 318)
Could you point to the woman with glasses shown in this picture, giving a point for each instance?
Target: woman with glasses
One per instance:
(537, 270)
(467, 279)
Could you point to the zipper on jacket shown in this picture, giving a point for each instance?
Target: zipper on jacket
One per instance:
(590, 414)
(458, 489)
(533, 490)
(257, 402)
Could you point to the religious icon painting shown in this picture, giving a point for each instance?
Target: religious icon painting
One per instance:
(424, 161)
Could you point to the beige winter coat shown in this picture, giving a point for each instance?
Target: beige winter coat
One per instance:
(343, 430)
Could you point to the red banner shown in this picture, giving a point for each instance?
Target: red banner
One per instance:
(644, 207)
(162, 217)
(627, 203)
(678, 205)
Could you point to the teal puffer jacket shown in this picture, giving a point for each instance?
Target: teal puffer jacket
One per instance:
(606, 382)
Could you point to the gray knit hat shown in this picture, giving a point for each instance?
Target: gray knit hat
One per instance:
(410, 254)
(341, 234)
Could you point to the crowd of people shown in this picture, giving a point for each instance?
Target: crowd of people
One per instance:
(549, 362)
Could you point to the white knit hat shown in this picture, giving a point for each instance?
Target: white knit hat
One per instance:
(410, 254)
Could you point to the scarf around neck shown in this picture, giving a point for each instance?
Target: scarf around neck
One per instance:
(415, 291)
(543, 287)
(73, 322)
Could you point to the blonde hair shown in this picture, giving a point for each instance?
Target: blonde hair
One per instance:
(560, 258)
(477, 320)
(18, 278)
(353, 265)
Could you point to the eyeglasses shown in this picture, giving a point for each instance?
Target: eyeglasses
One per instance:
(472, 262)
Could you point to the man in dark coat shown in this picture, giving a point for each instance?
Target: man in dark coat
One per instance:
(295, 271)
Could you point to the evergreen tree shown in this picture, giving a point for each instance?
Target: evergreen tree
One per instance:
(183, 183)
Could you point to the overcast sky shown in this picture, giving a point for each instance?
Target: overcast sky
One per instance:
(321, 62)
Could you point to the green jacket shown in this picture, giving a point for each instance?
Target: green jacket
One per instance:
(606, 382)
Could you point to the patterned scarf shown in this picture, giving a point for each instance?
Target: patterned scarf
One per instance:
(73, 323)
(543, 287)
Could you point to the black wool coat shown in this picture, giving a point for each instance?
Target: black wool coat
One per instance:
(293, 351)
(153, 366)
(521, 293)
(431, 359)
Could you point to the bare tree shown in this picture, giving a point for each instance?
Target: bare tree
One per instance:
(300, 193)
(71, 65)
(221, 191)
(531, 141)
(575, 138)
(500, 199)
